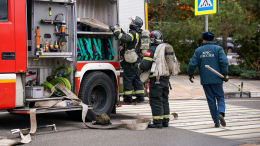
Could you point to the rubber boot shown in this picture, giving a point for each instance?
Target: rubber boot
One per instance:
(159, 125)
(128, 99)
(165, 124)
(139, 99)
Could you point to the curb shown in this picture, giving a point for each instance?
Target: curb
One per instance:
(245, 94)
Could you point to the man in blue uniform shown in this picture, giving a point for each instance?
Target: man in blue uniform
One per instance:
(211, 54)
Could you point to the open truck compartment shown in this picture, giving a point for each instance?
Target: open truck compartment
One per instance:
(52, 45)
(49, 22)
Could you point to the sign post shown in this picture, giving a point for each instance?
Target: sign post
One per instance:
(205, 7)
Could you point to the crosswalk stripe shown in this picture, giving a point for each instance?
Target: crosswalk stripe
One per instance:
(209, 130)
(242, 136)
(211, 122)
(201, 115)
(210, 119)
(229, 124)
(194, 115)
(235, 132)
(178, 107)
(186, 110)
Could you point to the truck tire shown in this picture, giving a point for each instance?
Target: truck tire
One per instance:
(96, 89)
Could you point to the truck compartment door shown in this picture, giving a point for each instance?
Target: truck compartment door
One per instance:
(7, 37)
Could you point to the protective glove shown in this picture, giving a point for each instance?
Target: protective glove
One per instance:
(136, 65)
(191, 77)
(226, 78)
(112, 28)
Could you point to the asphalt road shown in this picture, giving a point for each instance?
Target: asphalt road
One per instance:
(75, 133)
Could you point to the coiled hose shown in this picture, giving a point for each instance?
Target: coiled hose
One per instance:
(58, 80)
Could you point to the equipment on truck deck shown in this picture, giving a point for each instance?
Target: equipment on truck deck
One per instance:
(31, 82)
(46, 46)
(94, 23)
(62, 34)
(57, 78)
(38, 41)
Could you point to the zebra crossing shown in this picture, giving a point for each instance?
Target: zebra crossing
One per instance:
(243, 124)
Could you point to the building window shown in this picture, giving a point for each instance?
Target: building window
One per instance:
(3, 10)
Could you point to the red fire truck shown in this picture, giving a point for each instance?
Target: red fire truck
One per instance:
(42, 41)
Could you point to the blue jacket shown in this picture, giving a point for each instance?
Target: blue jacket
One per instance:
(209, 54)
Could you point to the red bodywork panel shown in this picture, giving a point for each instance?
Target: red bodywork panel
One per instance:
(20, 36)
(81, 65)
(77, 84)
(7, 95)
(13, 37)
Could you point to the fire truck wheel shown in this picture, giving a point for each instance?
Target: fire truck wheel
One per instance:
(96, 89)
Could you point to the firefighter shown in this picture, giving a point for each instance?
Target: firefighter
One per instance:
(159, 93)
(211, 54)
(131, 74)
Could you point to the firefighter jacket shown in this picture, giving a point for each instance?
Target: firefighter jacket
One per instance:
(147, 61)
(209, 54)
(132, 40)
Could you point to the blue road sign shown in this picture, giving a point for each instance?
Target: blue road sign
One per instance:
(204, 7)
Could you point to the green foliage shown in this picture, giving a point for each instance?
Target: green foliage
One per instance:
(249, 53)
(251, 74)
(234, 70)
(231, 19)
(184, 69)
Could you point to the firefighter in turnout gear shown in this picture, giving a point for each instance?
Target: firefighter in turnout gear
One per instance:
(131, 74)
(159, 92)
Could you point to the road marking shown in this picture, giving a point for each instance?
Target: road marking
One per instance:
(209, 130)
(229, 124)
(194, 115)
(211, 122)
(242, 136)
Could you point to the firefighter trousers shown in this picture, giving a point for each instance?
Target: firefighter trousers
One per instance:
(214, 92)
(159, 96)
(131, 78)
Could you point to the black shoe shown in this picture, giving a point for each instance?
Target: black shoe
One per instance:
(165, 124)
(139, 99)
(155, 126)
(128, 99)
(222, 120)
(216, 125)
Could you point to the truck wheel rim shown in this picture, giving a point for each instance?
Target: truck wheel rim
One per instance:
(98, 97)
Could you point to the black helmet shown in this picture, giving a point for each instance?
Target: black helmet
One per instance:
(156, 35)
(138, 22)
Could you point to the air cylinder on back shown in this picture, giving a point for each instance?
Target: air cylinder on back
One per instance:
(169, 57)
(145, 41)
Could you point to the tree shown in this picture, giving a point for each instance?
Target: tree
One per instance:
(231, 19)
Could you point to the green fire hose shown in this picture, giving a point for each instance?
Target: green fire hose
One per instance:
(58, 80)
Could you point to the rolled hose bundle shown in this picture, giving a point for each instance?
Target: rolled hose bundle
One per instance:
(58, 80)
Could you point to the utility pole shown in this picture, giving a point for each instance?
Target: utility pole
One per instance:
(206, 23)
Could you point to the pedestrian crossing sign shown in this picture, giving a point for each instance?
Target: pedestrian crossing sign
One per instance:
(204, 7)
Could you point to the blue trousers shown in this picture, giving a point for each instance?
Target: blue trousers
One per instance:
(215, 92)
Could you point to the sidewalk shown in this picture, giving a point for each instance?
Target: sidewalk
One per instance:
(182, 88)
